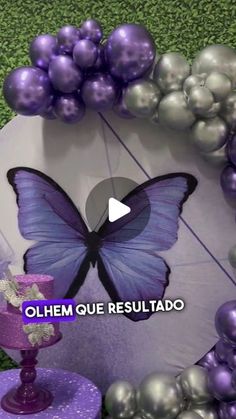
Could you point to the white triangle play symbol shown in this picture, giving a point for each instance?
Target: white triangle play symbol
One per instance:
(116, 209)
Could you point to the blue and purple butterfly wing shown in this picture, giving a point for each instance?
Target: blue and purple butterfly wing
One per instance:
(48, 216)
(131, 270)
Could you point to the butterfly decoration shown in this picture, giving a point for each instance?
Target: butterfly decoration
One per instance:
(37, 333)
(130, 270)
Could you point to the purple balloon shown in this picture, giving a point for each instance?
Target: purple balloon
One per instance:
(67, 37)
(85, 53)
(27, 90)
(225, 322)
(69, 108)
(209, 361)
(48, 112)
(228, 181)
(99, 92)
(222, 350)
(100, 63)
(220, 384)
(130, 52)
(92, 30)
(231, 149)
(42, 49)
(231, 359)
(223, 411)
(64, 74)
(120, 108)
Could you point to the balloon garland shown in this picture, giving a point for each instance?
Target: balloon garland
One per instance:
(77, 69)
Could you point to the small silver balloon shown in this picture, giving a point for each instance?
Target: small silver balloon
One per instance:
(228, 111)
(216, 158)
(194, 382)
(200, 100)
(192, 81)
(174, 112)
(206, 411)
(232, 256)
(189, 414)
(170, 72)
(120, 400)
(219, 84)
(209, 135)
(141, 97)
(219, 58)
(159, 397)
(213, 111)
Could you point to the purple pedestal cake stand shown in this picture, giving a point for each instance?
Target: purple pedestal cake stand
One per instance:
(28, 397)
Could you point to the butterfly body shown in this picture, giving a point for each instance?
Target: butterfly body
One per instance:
(93, 243)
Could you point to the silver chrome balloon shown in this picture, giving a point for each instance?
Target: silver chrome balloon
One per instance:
(192, 81)
(120, 400)
(219, 58)
(141, 97)
(170, 72)
(159, 397)
(213, 111)
(209, 135)
(216, 158)
(228, 111)
(232, 256)
(200, 100)
(206, 411)
(174, 112)
(188, 414)
(219, 84)
(194, 382)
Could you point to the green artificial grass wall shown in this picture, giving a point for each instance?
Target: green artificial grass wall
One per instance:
(176, 25)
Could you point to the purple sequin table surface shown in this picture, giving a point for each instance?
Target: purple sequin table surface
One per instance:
(74, 396)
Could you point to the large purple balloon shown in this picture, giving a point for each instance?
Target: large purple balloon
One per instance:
(130, 52)
(231, 149)
(42, 49)
(220, 384)
(92, 30)
(64, 74)
(85, 53)
(69, 108)
(209, 361)
(99, 92)
(228, 181)
(225, 322)
(67, 37)
(222, 350)
(27, 90)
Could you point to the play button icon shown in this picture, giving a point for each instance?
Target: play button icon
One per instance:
(116, 210)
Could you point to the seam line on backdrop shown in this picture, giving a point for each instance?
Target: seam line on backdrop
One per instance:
(181, 218)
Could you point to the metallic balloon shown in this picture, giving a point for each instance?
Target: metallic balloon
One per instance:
(85, 53)
(213, 111)
(228, 110)
(174, 112)
(99, 92)
(170, 72)
(69, 108)
(219, 84)
(92, 30)
(100, 63)
(194, 384)
(225, 321)
(64, 74)
(228, 184)
(130, 52)
(206, 411)
(159, 396)
(229, 410)
(219, 58)
(42, 49)
(216, 158)
(120, 400)
(189, 414)
(232, 257)
(234, 380)
(200, 100)
(27, 90)
(121, 109)
(192, 81)
(209, 361)
(142, 97)
(155, 117)
(220, 384)
(231, 149)
(231, 359)
(222, 349)
(48, 113)
(67, 37)
(209, 135)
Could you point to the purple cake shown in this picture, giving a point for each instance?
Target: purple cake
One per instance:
(12, 335)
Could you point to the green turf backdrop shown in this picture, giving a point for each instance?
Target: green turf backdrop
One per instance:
(176, 25)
